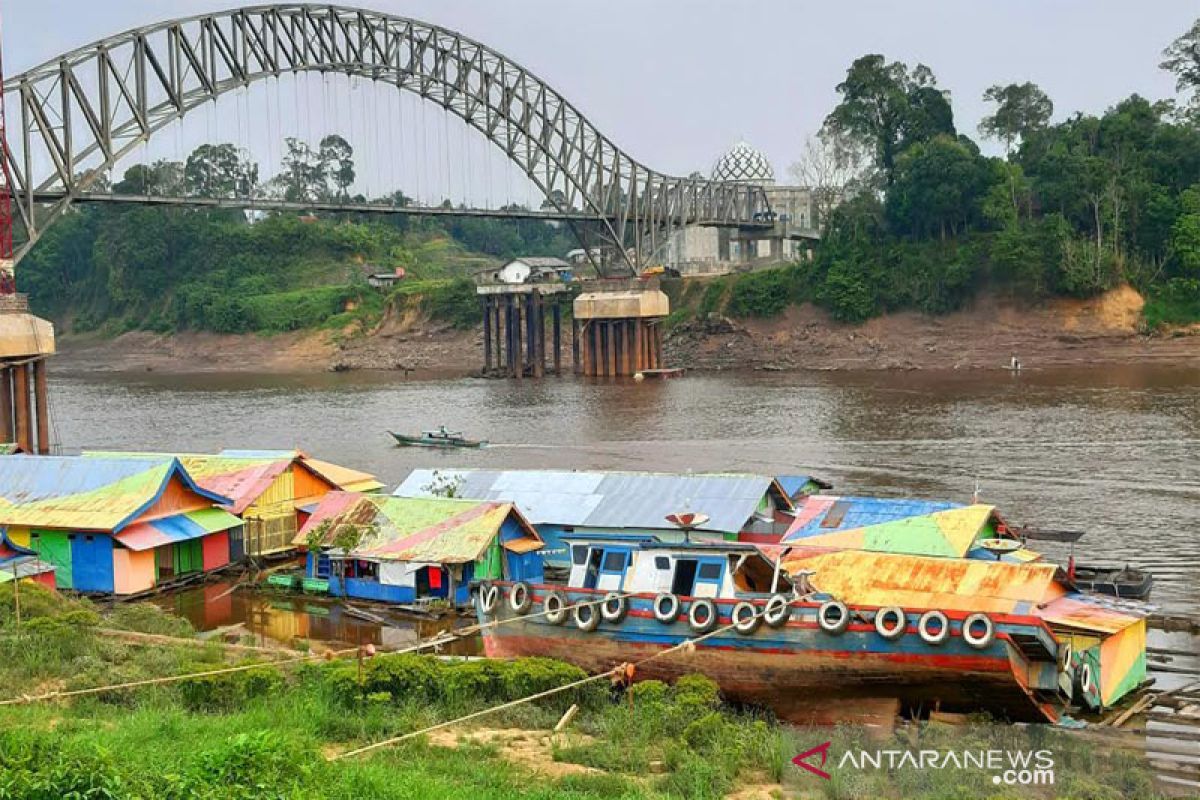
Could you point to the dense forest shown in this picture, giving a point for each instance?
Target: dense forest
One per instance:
(913, 214)
(920, 218)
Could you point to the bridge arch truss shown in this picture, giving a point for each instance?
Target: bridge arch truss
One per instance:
(73, 118)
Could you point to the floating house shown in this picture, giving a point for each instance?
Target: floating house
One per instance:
(738, 507)
(402, 550)
(114, 526)
(19, 564)
(961, 556)
(271, 490)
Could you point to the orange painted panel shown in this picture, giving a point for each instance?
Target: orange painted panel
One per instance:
(133, 571)
(308, 486)
(175, 499)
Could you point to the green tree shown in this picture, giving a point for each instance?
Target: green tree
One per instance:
(1185, 233)
(887, 108)
(939, 188)
(1021, 109)
(337, 161)
(1182, 59)
(219, 170)
(304, 176)
(161, 178)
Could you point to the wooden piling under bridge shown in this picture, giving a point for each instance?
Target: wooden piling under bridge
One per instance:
(25, 343)
(514, 328)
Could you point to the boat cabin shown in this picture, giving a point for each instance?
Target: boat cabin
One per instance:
(643, 563)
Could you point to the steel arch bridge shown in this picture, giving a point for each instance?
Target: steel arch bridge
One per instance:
(74, 117)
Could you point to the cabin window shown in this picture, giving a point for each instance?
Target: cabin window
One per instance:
(88, 538)
(579, 554)
(614, 561)
(710, 572)
(662, 562)
(685, 576)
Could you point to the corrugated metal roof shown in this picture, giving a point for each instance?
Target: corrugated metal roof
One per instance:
(427, 530)
(950, 534)
(345, 478)
(821, 514)
(23, 567)
(608, 499)
(75, 493)
(178, 528)
(244, 475)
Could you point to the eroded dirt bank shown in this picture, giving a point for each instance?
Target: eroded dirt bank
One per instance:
(1100, 331)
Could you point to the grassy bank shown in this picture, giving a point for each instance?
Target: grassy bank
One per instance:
(267, 732)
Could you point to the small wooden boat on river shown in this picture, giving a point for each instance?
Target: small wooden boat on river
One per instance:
(442, 437)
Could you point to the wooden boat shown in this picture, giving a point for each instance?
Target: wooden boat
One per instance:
(1126, 581)
(436, 438)
(802, 651)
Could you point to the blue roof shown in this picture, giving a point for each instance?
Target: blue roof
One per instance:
(792, 484)
(858, 512)
(25, 479)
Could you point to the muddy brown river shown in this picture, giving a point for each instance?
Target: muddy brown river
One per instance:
(1111, 451)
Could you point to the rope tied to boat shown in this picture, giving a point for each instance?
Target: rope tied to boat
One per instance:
(619, 672)
(436, 643)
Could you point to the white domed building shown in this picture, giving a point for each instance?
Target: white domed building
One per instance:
(699, 249)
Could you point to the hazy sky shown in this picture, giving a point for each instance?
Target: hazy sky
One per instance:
(675, 82)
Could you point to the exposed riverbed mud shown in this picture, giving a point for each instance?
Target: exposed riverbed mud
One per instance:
(1102, 330)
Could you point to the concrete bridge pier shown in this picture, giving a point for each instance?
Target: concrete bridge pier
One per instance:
(621, 329)
(25, 343)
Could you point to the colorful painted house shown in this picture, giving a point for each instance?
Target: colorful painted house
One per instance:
(270, 490)
(400, 550)
(558, 502)
(113, 526)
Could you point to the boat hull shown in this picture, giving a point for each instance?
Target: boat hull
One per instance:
(801, 672)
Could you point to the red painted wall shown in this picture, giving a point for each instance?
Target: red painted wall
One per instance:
(216, 550)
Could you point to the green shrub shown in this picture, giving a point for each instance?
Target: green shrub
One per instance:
(714, 298)
(149, 618)
(1176, 303)
(408, 677)
(761, 294)
(230, 690)
(698, 690)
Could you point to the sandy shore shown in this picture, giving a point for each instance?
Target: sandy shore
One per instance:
(1099, 331)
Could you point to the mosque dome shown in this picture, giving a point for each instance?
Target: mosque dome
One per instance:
(744, 164)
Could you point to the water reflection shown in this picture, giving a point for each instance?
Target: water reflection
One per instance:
(1113, 451)
(271, 617)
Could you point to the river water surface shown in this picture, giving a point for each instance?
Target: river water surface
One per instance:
(1112, 451)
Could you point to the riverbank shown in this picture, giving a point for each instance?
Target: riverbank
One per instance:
(1060, 333)
(279, 730)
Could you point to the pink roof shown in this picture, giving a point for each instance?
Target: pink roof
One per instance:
(245, 485)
